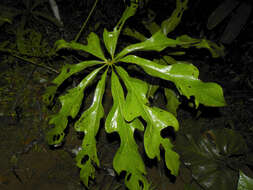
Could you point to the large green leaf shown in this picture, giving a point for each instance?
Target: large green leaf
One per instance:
(127, 157)
(204, 154)
(111, 38)
(185, 77)
(157, 119)
(72, 100)
(89, 123)
(66, 72)
(71, 103)
(245, 182)
(93, 47)
(136, 95)
(157, 42)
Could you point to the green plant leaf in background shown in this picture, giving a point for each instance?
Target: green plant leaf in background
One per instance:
(30, 43)
(171, 23)
(7, 14)
(4, 19)
(245, 182)
(212, 156)
(221, 12)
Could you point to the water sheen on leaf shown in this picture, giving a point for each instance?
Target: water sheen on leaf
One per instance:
(127, 157)
(70, 105)
(66, 71)
(89, 123)
(185, 77)
(157, 42)
(157, 119)
(110, 40)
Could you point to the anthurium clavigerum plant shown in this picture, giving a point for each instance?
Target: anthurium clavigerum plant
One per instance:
(130, 102)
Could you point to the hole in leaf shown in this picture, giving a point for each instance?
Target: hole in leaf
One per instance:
(141, 184)
(84, 159)
(56, 137)
(80, 135)
(138, 136)
(128, 177)
(168, 132)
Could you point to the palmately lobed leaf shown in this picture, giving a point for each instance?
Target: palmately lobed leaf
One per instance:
(93, 47)
(56, 135)
(89, 123)
(66, 72)
(69, 70)
(127, 157)
(91, 117)
(87, 158)
(156, 118)
(110, 40)
(72, 100)
(123, 117)
(70, 105)
(157, 42)
(172, 101)
(185, 77)
(136, 95)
